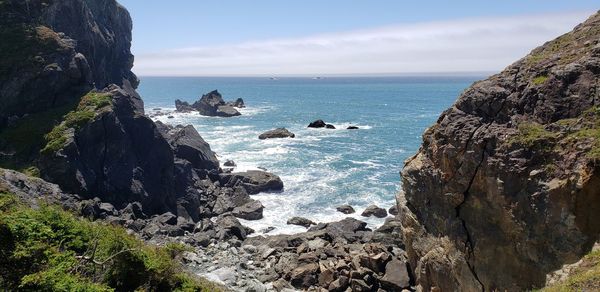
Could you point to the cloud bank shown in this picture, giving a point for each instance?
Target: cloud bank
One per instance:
(468, 45)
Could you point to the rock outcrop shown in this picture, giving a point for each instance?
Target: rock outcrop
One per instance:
(211, 104)
(277, 133)
(506, 186)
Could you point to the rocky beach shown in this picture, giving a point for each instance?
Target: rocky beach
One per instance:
(502, 193)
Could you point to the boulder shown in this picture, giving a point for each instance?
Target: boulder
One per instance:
(339, 285)
(250, 211)
(277, 133)
(317, 124)
(393, 210)
(167, 219)
(374, 210)
(253, 181)
(352, 128)
(227, 111)
(182, 106)
(396, 276)
(300, 221)
(229, 163)
(239, 103)
(304, 276)
(329, 126)
(346, 209)
(229, 227)
(187, 144)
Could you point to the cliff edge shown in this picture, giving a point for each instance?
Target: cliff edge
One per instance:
(506, 185)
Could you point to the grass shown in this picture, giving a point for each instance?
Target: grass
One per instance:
(49, 249)
(531, 134)
(87, 109)
(540, 80)
(585, 278)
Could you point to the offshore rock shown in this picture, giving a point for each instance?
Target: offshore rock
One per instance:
(253, 181)
(277, 133)
(211, 104)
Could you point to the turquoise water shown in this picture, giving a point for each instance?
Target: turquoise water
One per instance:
(321, 168)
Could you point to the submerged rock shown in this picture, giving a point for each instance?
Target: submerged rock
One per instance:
(330, 126)
(352, 128)
(300, 221)
(277, 133)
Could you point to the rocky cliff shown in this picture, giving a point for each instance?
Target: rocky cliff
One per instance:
(506, 186)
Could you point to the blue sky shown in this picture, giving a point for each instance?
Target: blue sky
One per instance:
(167, 31)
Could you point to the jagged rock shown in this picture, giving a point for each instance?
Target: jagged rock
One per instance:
(300, 222)
(253, 181)
(304, 276)
(211, 104)
(239, 103)
(317, 124)
(498, 174)
(329, 126)
(360, 285)
(346, 209)
(277, 133)
(373, 210)
(189, 145)
(250, 211)
(167, 218)
(229, 227)
(339, 285)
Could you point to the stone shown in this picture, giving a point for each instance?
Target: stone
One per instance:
(346, 209)
(352, 128)
(167, 218)
(300, 221)
(304, 276)
(396, 276)
(373, 210)
(253, 181)
(340, 284)
(252, 210)
(277, 133)
(228, 227)
(317, 124)
(230, 163)
(211, 104)
(187, 144)
(393, 210)
(329, 126)
(360, 286)
(239, 103)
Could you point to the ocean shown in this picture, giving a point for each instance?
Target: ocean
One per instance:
(321, 168)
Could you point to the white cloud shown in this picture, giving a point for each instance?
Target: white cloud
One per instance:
(485, 44)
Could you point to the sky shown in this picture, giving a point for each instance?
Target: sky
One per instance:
(340, 37)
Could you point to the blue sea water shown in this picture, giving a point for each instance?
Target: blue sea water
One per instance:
(321, 168)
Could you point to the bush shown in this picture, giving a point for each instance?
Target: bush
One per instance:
(49, 249)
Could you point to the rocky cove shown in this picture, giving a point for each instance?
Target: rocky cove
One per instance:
(510, 169)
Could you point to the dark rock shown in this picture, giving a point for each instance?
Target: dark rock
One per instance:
(373, 210)
(211, 104)
(239, 103)
(182, 106)
(352, 128)
(360, 286)
(396, 276)
(133, 211)
(106, 209)
(317, 124)
(189, 145)
(229, 227)
(226, 111)
(339, 285)
(253, 181)
(230, 163)
(277, 133)
(301, 222)
(330, 126)
(250, 211)
(268, 229)
(393, 210)
(167, 218)
(346, 209)
(170, 117)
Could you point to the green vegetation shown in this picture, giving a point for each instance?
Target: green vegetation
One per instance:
(89, 105)
(531, 134)
(540, 80)
(49, 249)
(589, 131)
(585, 278)
(567, 48)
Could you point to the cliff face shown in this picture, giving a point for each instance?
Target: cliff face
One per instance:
(506, 186)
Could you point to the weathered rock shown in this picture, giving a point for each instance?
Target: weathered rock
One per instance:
(396, 276)
(393, 210)
(239, 103)
(187, 144)
(250, 211)
(300, 221)
(211, 104)
(229, 163)
(346, 209)
(373, 210)
(317, 124)
(304, 276)
(329, 126)
(229, 227)
(253, 181)
(498, 174)
(277, 133)
(340, 284)
(167, 218)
